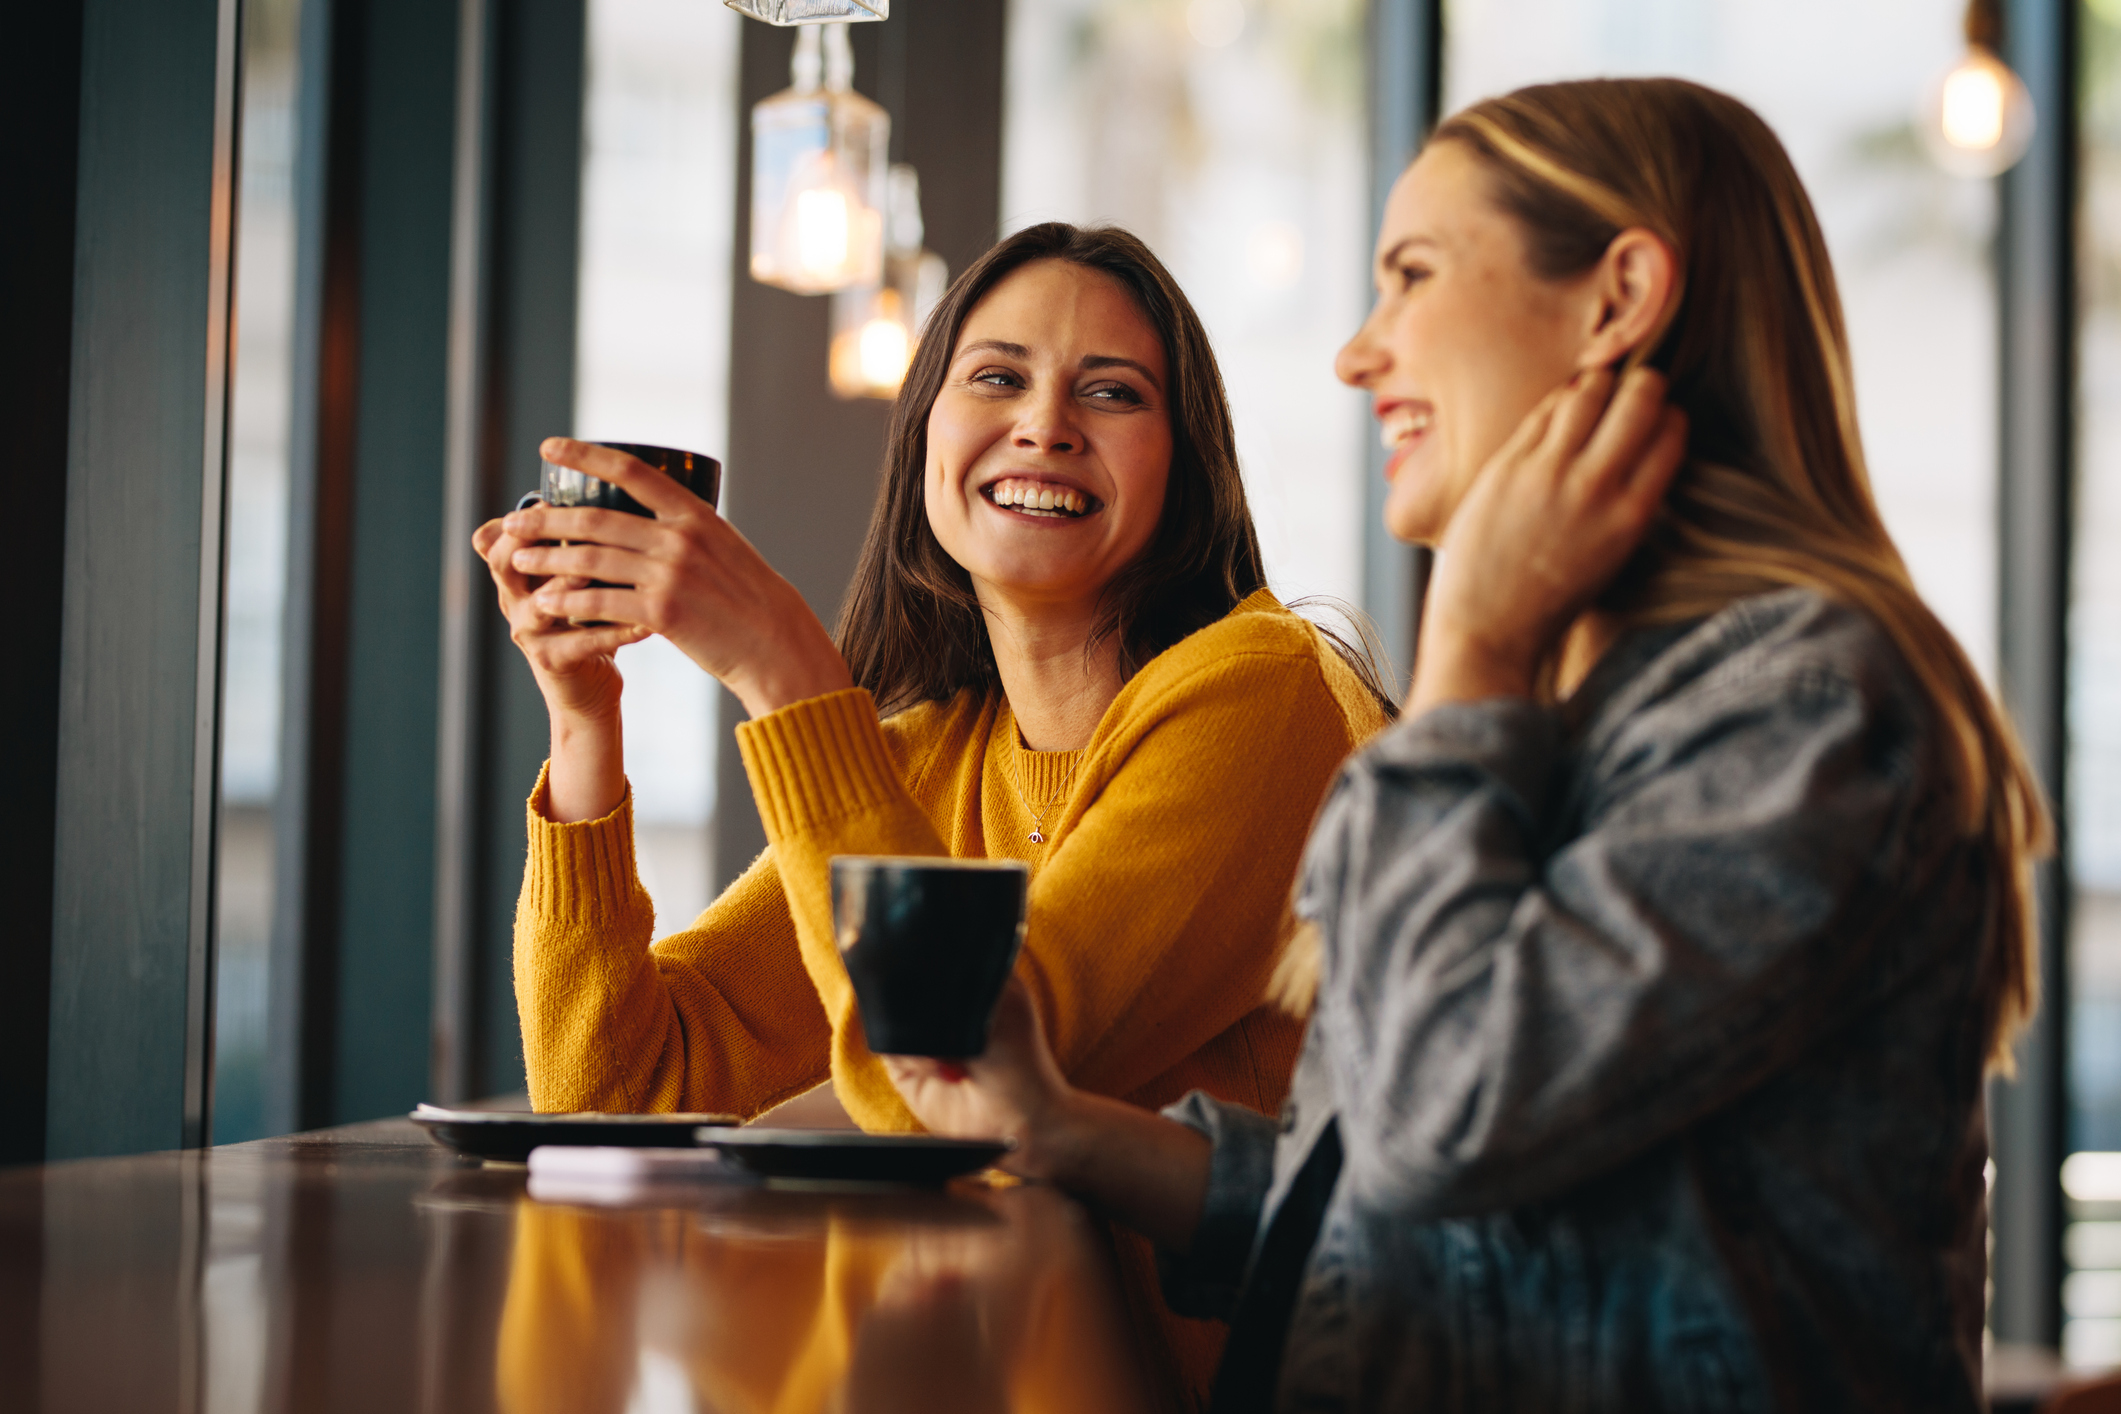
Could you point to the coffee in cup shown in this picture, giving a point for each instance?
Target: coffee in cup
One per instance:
(929, 944)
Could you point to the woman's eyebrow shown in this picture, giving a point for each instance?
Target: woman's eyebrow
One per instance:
(1000, 346)
(1400, 247)
(1114, 361)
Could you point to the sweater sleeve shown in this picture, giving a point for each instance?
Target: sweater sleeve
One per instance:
(720, 1017)
(1155, 922)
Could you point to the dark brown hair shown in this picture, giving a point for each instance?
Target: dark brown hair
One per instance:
(1774, 492)
(912, 630)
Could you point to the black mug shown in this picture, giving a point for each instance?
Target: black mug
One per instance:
(563, 486)
(929, 944)
(696, 472)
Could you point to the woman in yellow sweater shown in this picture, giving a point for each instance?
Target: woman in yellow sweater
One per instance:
(1059, 617)
(1058, 647)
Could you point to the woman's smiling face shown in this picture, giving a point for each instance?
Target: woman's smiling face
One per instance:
(1049, 446)
(1464, 340)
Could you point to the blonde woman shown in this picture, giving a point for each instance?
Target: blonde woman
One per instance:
(1659, 954)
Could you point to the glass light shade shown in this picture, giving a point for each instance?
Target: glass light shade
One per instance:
(810, 12)
(1978, 119)
(876, 327)
(819, 163)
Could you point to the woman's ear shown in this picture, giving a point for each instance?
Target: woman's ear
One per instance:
(1633, 285)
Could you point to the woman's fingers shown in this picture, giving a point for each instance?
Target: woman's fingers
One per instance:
(1625, 430)
(1580, 407)
(907, 1071)
(513, 584)
(1652, 472)
(562, 604)
(584, 562)
(564, 651)
(589, 524)
(638, 479)
(1531, 433)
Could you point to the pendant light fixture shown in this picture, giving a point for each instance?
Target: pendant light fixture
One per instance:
(819, 157)
(875, 327)
(811, 12)
(1978, 119)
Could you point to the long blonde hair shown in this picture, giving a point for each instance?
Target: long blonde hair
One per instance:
(1774, 493)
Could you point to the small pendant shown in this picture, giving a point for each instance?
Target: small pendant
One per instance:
(1036, 837)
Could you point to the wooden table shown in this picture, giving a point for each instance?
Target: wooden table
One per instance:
(366, 1269)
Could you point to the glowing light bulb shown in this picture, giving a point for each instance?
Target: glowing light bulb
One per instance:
(886, 349)
(1973, 107)
(1978, 120)
(823, 232)
(876, 328)
(871, 347)
(818, 169)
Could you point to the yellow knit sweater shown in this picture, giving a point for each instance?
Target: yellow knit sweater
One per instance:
(1155, 907)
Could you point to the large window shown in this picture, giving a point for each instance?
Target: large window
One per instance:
(1840, 81)
(1229, 135)
(257, 565)
(652, 360)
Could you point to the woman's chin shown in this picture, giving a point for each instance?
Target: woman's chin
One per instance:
(1034, 585)
(1413, 511)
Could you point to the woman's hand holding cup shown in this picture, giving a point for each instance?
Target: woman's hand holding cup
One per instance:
(686, 574)
(574, 667)
(1013, 1090)
(1547, 523)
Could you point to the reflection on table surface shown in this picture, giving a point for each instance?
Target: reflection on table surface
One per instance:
(363, 1268)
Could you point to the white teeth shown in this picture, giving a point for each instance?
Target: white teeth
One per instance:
(1037, 498)
(1402, 426)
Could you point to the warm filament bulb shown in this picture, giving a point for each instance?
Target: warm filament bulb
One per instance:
(885, 352)
(1973, 107)
(822, 234)
(1979, 118)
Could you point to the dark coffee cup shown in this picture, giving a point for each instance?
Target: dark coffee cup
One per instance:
(566, 487)
(699, 474)
(929, 944)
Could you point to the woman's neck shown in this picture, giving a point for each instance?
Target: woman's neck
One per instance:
(1057, 691)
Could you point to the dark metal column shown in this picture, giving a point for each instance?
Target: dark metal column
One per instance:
(352, 959)
(802, 466)
(2036, 283)
(512, 364)
(40, 110)
(130, 1039)
(456, 746)
(1406, 95)
(435, 342)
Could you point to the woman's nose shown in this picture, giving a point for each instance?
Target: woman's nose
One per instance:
(1363, 357)
(1048, 425)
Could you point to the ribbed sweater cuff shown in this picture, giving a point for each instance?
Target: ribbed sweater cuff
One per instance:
(583, 871)
(816, 761)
